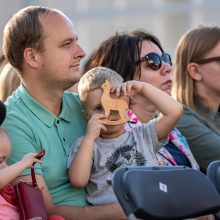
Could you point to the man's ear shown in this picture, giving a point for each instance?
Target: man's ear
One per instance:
(194, 71)
(31, 57)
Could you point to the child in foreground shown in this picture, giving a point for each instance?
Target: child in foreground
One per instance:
(8, 174)
(104, 148)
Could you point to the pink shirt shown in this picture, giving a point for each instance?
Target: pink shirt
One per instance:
(7, 210)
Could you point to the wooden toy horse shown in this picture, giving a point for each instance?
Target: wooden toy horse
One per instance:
(109, 103)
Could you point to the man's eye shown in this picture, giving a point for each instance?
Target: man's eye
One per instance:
(66, 44)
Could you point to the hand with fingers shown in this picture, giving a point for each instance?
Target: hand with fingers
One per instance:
(128, 88)
(95, 124)
(29, 159)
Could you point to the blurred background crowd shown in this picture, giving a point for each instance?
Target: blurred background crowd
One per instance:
(96, 20)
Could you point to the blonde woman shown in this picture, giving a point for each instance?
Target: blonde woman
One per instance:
(196, 84)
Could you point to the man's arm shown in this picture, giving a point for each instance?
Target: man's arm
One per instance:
(107, 212)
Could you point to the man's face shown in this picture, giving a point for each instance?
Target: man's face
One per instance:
(60, 60)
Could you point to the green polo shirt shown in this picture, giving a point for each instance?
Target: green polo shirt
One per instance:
(31, 128)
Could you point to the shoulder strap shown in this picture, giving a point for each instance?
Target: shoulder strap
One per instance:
(34, 182)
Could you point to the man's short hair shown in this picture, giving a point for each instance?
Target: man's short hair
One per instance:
(24, 30)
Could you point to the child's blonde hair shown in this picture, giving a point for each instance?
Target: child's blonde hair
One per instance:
(94, 78)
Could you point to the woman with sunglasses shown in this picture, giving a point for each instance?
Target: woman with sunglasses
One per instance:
(138, 55)
(196, 84)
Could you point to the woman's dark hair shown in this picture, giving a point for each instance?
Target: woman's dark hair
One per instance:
(121, 52)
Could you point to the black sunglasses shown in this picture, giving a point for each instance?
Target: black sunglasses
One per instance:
(155, 61)
(208, 60)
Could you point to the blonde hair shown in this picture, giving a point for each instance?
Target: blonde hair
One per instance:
(94, 78)
(9, 81)
(193, 46)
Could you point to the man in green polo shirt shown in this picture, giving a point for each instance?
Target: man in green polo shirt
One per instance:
(42, 44)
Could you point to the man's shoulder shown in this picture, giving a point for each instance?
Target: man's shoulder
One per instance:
(14, 105)
(73, 107)
(70, 97)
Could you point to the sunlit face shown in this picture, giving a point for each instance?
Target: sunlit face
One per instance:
(93, 106)
(5, 149)
(159, 78)
(60, 61)
(210, 73)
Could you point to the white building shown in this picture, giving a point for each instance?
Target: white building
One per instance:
(98, 19)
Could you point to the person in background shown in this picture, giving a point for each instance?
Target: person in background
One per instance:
(41, 114)
(3, 62)
(9, 81)
(105, 148)
(196, 80)
(138, 55)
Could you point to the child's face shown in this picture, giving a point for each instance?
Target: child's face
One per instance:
(5, 149)
(93, 106)
(93, 103)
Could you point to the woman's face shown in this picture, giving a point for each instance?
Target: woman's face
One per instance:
(210, 73)
(160, 78)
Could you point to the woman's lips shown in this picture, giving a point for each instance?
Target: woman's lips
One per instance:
(166, 86)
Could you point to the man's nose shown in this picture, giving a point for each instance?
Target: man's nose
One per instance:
(80, 52)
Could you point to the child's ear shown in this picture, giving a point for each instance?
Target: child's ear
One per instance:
(194, 71)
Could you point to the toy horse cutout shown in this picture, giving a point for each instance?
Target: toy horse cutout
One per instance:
(113, 104)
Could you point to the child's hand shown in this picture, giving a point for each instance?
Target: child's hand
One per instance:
(94, 126)
(29, 159)
(128, 88)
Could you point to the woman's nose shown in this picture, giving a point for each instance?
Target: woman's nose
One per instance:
(166, 68)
